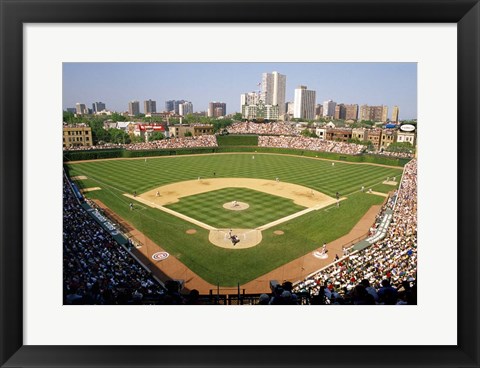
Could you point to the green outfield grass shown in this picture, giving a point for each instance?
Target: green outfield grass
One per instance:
(384, 188)
(228, 267)
(140, 175)
(208, 208)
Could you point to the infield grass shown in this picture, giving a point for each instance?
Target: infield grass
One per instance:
(208, 208)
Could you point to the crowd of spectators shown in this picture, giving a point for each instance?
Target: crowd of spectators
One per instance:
(96, 269)
(95, 147)
(384, 273)
(172, 143)
(310, 144)
(396, 154)
(273, 128)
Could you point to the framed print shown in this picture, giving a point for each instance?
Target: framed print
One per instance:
(49, 47)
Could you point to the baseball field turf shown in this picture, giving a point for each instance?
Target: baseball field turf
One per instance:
(227, 267)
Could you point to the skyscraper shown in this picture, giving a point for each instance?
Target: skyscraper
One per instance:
(176, 106)
(395, 112)
(273, 90)
(149, 106)
(216, 109)
(133, 108)
(250, 98)
(170, 105)
(173, 105)
(384, 113)
(289, 107)
(304, 105)
(97, 107)
(81, 108)
(373, 113)
(351, 112)
(185, 108)
(329, 108)
(340, 112)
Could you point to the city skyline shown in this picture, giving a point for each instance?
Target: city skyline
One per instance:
(116, 84)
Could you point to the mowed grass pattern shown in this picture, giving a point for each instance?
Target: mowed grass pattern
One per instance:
(208, 208)
(227, 267)
(140, 175)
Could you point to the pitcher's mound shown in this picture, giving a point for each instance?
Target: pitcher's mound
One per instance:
(191, 231)
(236, 206)
(278, 232)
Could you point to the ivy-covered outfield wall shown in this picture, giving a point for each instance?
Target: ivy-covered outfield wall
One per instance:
(230, 144)
(92, 154)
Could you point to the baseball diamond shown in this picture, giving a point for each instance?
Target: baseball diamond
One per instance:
(275, 194)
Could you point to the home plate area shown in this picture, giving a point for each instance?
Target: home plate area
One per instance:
(235, 238)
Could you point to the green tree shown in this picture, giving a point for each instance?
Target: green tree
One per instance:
(156, 136)
(136, 139)
(118, 117)
(220, 124)
(118, 136)
(174, 121)
(99, 134)
(188, 134)
(308, 133)
(355, 141)
(68, 117)
(400, 147)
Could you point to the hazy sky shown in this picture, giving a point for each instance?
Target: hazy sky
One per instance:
(116, 84)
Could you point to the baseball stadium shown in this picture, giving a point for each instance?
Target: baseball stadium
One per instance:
(239, 219)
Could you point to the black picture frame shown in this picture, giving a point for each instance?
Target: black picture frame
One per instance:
(14, 13)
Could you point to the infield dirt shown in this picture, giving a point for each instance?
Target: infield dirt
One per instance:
(171, 193)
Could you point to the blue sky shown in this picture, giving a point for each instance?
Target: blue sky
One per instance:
(116, 84)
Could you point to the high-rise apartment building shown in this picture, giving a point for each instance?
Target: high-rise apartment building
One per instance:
(173, 105)
(149, 107)
(384, 113)
(81, 109)
(260, 111)
(373, 113)
(217, 109)
(97, 107)
(274, 87)
(395, 112)
(133, 108)
(304, 107)
(176, 106)
(340, 112)
(289, 108)
(185, 108)
(329, 108)
(250, 98)
(318, 110)
(169, 105)
(351, 112)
